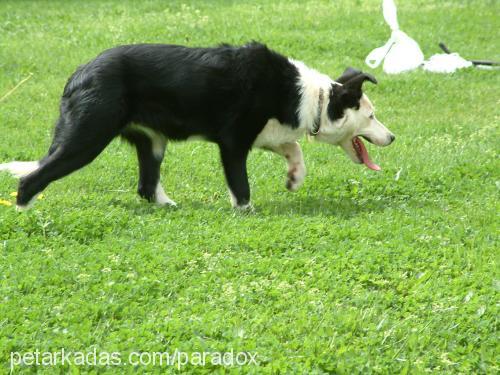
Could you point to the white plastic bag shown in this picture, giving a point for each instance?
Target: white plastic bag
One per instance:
(446, 63)
(401, 53)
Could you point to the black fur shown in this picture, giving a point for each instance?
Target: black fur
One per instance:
(347, 95)
(225, 94)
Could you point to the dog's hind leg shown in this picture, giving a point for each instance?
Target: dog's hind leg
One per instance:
(150, 148)
(65, 160)
(82, 143)
(23, 168)
(295, 161)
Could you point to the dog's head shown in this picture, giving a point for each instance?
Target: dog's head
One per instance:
(350, 115)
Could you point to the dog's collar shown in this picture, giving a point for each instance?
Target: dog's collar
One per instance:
(317, 120)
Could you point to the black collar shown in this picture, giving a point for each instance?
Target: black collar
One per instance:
(317, 120)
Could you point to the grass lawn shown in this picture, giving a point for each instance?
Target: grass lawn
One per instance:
(357, 272)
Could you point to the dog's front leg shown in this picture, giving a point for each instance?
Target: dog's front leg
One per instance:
(295, 161)
(235, 168)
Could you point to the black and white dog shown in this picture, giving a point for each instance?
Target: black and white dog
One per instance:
(237, 97)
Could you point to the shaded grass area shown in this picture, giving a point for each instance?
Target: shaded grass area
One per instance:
(356, 272)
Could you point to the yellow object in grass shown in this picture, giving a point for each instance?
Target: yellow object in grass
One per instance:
(5, 203)
(14, 194)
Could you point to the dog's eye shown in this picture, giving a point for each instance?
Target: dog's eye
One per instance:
(372, 116)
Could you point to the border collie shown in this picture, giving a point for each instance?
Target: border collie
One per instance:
(237, 97)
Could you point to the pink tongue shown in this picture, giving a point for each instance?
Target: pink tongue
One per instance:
(364, 155)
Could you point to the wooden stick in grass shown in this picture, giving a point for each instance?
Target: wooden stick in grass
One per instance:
(15, 88)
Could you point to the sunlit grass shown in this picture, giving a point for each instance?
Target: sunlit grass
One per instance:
(357, 272)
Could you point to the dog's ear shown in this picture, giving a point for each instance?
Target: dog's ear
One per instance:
(341, 98)
(355, 84)
(348, 74)
(348, 93)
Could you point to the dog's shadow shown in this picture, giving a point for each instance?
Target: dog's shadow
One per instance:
(341, 207)
(344, 208)
(320, 206)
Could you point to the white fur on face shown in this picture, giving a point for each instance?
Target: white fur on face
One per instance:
(20, 168)
(356, 122)
(362, 122)
(369, 126)
(341, 131)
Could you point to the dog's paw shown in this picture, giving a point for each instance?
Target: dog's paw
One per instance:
(27, 206)
(295, 177)
(166, 201)
(244, 208)
(162, 199)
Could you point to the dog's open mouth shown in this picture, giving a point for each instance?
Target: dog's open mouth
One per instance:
(362, 154)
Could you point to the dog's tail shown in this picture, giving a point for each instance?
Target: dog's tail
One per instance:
(20, 168)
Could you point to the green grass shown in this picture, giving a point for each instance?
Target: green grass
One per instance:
(358, 272)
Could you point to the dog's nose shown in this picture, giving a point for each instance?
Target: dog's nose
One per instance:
(392, 137)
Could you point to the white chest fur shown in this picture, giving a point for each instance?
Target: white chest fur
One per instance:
(275, 134)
